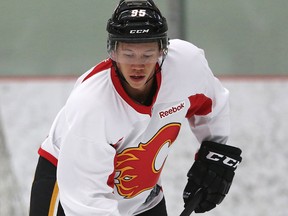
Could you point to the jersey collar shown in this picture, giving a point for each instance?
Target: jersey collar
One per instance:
(138, 107)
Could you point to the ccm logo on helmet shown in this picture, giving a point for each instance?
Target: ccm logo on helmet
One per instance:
(172, 110)
(139, 31)
(225, 160)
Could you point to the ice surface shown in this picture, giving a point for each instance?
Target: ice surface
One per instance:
(259, 113)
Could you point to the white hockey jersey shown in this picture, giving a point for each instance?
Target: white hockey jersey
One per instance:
(109, 150)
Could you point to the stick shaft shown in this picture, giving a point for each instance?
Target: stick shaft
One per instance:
(193, 203)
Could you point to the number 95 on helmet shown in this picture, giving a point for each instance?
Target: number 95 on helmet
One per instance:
(137, 21)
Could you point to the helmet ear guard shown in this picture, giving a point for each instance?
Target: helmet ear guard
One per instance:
(137, 21)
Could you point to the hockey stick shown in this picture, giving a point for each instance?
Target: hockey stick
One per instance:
(193, 203)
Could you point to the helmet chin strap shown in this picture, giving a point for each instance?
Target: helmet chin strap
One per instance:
(118, 72)
(157, 70)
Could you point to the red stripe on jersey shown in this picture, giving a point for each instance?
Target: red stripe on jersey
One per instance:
(48, 156)
(106, 64)
(199, 105)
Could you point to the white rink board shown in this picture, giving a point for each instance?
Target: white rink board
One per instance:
(259, 112)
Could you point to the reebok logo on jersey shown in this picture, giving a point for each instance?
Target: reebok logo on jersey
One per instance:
(172, 110)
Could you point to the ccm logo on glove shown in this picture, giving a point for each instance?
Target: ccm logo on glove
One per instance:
(212, 172)
(225, 159)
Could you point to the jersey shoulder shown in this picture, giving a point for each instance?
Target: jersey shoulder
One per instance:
(182, 48)
(185, 71)
(185, 60)
(184, 57)
(92, 92)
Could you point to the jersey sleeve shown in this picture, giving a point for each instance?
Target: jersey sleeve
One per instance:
(213, 123)
(86, 162)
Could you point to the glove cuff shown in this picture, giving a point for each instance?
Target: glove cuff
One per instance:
(220, 154)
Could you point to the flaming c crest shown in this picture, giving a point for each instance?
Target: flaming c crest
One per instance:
(138, 169)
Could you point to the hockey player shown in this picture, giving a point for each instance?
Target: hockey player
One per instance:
(108, 144)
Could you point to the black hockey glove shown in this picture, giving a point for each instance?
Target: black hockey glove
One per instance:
(213, 171)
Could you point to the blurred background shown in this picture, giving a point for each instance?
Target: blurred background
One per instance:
(45, 45)
(67, 37)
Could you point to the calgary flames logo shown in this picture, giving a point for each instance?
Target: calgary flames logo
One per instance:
(138, 169)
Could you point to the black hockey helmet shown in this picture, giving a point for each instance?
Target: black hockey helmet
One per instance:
(137, 21)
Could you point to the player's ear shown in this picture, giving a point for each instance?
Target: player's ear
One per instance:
(113, 55)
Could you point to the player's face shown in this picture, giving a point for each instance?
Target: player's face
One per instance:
(137, 61)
